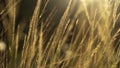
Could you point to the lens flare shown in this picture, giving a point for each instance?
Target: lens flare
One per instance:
(2, 46)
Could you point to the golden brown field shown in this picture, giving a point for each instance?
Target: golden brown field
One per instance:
(60, 33)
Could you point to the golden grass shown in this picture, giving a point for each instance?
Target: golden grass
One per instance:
(90, 30)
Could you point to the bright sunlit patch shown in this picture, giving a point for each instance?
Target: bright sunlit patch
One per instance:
(89, 1)
(2, 46)
(91, 6)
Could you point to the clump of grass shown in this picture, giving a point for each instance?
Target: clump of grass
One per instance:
(84, 37)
